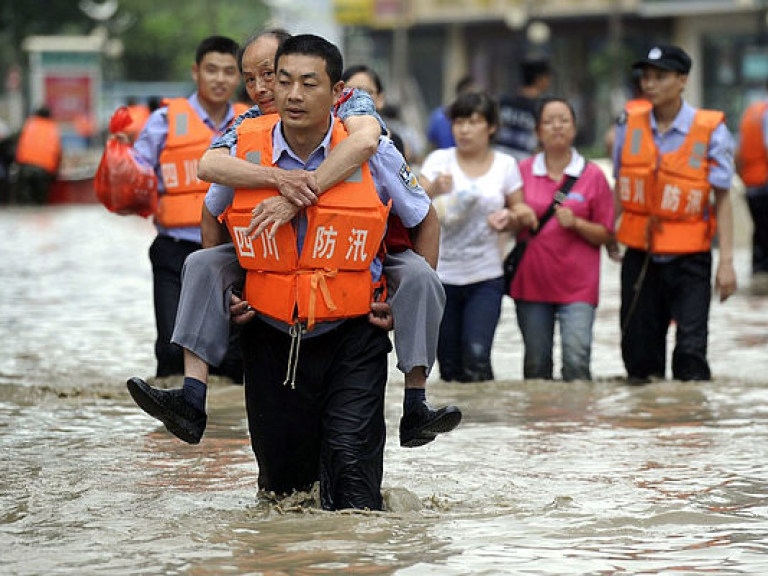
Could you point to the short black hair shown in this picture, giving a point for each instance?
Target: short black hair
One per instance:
(311, 45)
(468, 103)
(220, 44)
(532, 70)
(541, 104)
(465, 84)
(279, 34)
(363, 69)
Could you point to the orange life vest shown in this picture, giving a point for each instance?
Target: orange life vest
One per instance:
(331, 278)
(665, 197)
(753, 156)
(39, 144)
(240, 108)
(188, 138)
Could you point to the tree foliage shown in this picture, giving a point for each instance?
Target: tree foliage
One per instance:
(160, 44)
(159, 37)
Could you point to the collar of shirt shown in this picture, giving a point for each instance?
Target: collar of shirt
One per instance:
(281, 149)
(682, 122)
(194, 101)
(574, 168)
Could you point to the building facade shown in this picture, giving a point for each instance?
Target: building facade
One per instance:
(421, 48)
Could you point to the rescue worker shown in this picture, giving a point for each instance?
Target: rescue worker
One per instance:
(202, 323)
(316, 367)
(38, 155)
(752, 164)
(172, 141)
(667, 158)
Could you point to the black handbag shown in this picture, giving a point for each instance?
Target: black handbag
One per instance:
(511, 263)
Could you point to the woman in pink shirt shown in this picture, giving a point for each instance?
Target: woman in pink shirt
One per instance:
(559, 275)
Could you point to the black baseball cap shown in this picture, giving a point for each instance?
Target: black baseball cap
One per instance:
(667, 58)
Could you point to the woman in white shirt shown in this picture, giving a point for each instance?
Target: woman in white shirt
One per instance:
(468, 183)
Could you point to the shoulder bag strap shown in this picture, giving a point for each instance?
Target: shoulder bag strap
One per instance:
(559, 198)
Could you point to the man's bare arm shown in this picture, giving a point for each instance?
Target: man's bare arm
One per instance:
(344, 159)
(213, 232)
(426, 237)
(216, 165)
(299, 186)
(725, 276)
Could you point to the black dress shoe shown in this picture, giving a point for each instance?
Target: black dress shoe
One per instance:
(171, 408)
(422, 424)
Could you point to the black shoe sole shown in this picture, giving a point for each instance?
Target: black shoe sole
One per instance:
(429, 431)
(148, 404)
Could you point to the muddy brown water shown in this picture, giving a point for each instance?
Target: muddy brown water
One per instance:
(540, 478)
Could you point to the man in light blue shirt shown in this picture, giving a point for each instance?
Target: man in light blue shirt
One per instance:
(215, 72)
(658, 288)
(330, 425)
(202, 323)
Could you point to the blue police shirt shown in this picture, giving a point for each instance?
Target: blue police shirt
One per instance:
(151, 143)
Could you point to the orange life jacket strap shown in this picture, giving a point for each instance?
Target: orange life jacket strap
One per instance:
(318, 281)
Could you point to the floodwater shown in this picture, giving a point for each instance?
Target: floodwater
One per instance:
(540, 478)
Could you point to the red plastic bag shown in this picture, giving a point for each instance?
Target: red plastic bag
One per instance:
(124, 184)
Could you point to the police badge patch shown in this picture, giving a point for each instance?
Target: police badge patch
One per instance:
(408, 177)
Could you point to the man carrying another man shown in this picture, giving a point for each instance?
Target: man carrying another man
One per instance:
(201, 320)
(316, 367)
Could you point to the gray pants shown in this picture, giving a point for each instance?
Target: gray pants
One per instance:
(416, 296)
(202, 318)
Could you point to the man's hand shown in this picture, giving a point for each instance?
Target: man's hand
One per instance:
(614, 252)
(270, 214)
(725, 280)
(381, 316)
(240, 312)
(121, 136)
(298, 186)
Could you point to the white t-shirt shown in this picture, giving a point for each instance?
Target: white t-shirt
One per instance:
(469, 250)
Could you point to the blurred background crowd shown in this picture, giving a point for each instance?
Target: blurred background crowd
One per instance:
(81, 60)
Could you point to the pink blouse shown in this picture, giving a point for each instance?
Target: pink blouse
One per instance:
(560, 266)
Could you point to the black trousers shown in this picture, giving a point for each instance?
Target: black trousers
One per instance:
(680, 290)
(757, 199)
(33, 185)
(330, 427)
(167, 256)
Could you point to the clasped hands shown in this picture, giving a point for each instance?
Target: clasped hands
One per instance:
(298, 189)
